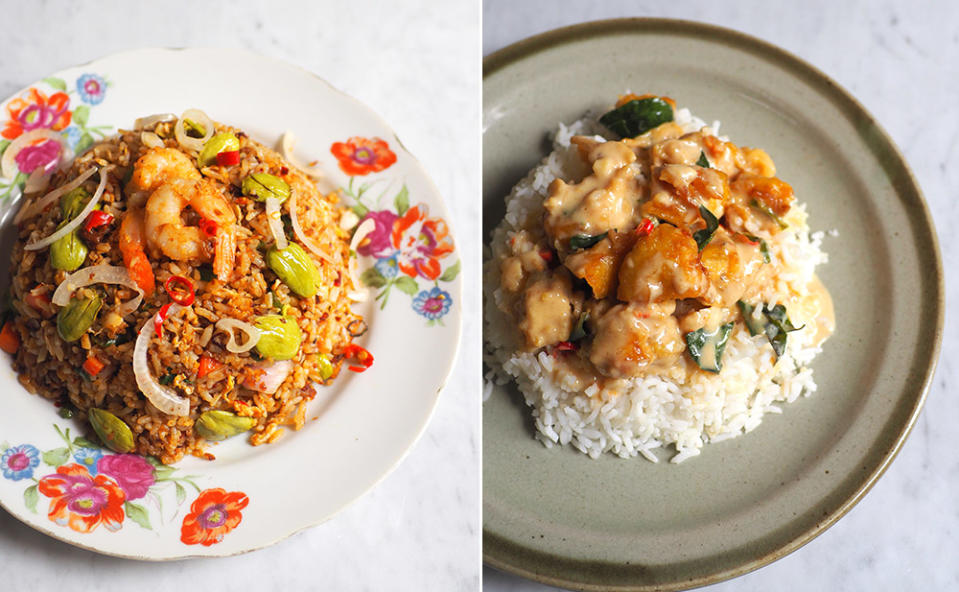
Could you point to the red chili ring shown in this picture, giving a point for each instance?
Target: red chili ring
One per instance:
(160, 317)
(170, 285)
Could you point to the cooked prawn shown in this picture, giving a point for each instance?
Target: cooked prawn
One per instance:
(156, 167)
(131, 247)
(167, 230)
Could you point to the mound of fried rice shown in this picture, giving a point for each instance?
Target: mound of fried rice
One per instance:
(50, 367)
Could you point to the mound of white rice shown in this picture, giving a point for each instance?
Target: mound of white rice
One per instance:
(650, 412)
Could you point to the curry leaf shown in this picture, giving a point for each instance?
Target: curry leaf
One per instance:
(30, 498)
(373, 278)
(407, 285)
(138, 514)
(585, 241)
(56, 457)
(763, 247)
(703, 237)
(769, 212)
(703, 161)
(706, 348)
(56, 83)
(402, 201)
(451, 272)
(637, 116)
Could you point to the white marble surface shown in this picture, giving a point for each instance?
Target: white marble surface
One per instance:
(900, 60)
(417, 64)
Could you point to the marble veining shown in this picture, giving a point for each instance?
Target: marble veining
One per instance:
(416, 64)
(900, 62)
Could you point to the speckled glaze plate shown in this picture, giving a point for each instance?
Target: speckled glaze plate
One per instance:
(556, 516)
(60, 483)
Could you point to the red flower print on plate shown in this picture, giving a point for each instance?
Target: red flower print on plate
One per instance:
(34, 110)
(83, 502)
(362, 156)
(422, 241)
(213, 514)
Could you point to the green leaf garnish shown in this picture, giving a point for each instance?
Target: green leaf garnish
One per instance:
(585, 241)
(637, 116)
(766, 210)
(763, 247)
(579, 331)
(703, 162)
(703, 237)
(707, 349)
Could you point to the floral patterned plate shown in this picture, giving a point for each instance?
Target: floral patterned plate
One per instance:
(57, 481)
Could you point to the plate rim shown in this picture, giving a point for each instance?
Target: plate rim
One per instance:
(497, 550)
(456, 336)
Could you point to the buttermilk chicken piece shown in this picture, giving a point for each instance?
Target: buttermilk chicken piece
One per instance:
(599, 265)
(603, 201)
(549, 308)
(680, 189)
(732, 264)
(632, 340)
(663, 266)
(757, 203)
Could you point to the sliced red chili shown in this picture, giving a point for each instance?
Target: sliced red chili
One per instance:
(180, 290)
(564, 346)
(645, 227)
(161, 316)
(228, 158)
(96, 219)
(208, 227)
(357, 368)
(359, 354)
(547, 255)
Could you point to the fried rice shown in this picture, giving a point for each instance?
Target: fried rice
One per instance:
(189, 357)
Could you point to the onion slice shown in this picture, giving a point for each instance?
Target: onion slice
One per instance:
(152, 120)
(163, 398)
(8, 166)
(268, 376)
(77, 220)
(98, 274)
(151, 140)
(29, 210)
(298, 231)
(179, 130)
(287, 142)
(229, 325)
(275, 220)
(38, 181)
(368, 226)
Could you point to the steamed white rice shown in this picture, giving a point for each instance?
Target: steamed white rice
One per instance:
(636, 417)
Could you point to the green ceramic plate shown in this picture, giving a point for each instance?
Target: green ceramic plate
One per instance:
(612, 524)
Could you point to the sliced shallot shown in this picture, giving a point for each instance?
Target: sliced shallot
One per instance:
(77, 220)
(275, 220)
(152, 120)
(231, 325)
(151, 140)
(287, 142)
(163, 398)
(298, 231)
(98, 274)
(199, 117)
(266, 377)
(31, 209)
